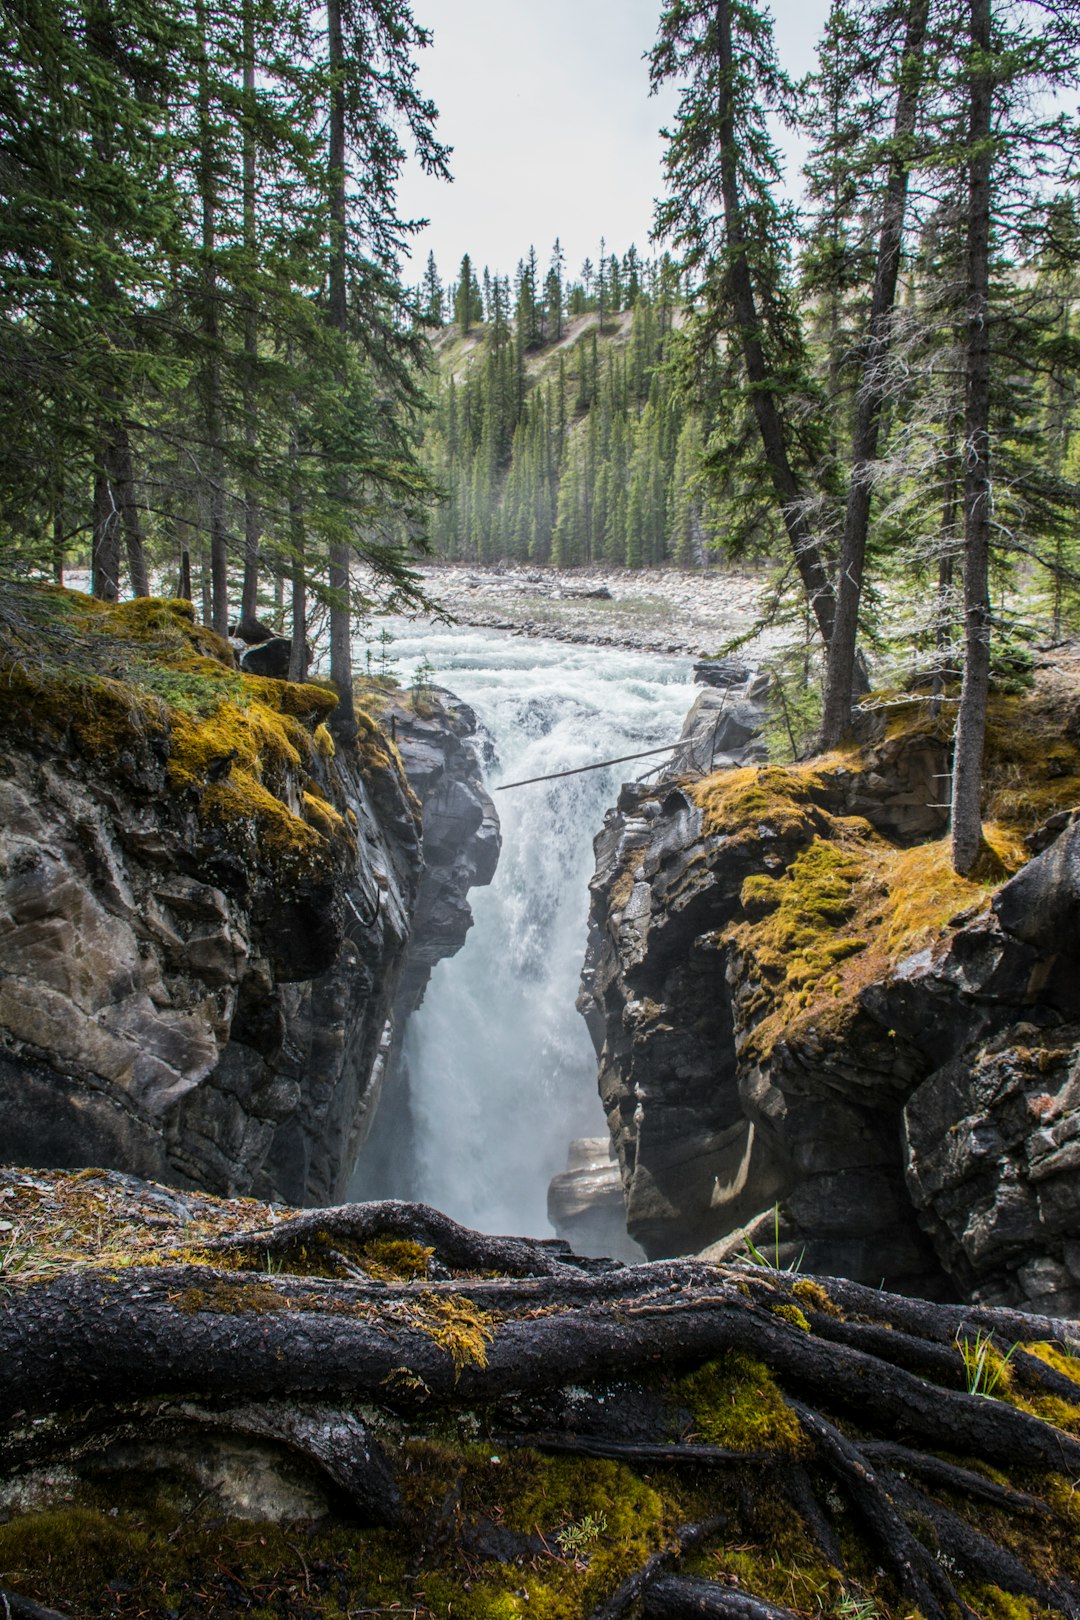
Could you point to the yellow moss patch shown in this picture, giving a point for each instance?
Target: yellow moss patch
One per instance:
(457, 1326)
(1054, 1356)
(323, 816)
(736, 1403)
(390, 1258)
(815, 1298)
(792, 1314)
(848, 908)
(739, 801)
(1032, 767)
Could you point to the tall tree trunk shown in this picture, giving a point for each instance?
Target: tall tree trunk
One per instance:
(184, 586)
(343, 719)
(791, 496)
(105, 546)
(122, 478)
(971, 720)
(58, 547)
(211, 378)
(942, 606)
(840, 668)
(249, 599)
(298, 650)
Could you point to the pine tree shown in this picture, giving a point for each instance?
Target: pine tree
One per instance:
(720, 157)
(431, 294)
(468, 302)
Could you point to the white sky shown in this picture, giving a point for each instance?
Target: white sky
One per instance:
(546, 104)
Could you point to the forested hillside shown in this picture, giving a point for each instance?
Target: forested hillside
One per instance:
(560, 431)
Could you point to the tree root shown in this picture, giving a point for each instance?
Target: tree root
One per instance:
(456, 1246)
(684, 1598)
(14, 1607)
(919, 1576)
(684, 1540)
(592, 1367)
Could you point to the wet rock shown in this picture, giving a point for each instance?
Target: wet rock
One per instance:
(931, 1140)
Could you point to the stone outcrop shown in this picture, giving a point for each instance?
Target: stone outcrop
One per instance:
(203, 918)
(808, 1027)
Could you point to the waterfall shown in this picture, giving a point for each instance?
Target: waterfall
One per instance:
(502, 1071)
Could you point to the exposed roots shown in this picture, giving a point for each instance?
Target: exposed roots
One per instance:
(831, 1424)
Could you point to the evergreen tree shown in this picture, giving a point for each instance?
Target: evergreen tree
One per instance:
(468, 302)
(723, 213)
(432, 303)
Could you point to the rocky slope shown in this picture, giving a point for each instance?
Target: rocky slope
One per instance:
(203, 911)
(808, 1026)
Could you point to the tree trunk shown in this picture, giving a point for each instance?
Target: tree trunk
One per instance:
(298, 650)
(105, 548)
(874, 389)
(249, 597)
(840, 1413)
(122, 478)
(343, 718)
(971, 720)
(792, 498)
(211, 333)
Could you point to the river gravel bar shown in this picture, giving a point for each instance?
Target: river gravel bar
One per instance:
(654, 610)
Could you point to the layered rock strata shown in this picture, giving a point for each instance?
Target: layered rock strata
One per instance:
(808, 1027)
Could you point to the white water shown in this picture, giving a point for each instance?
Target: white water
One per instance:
(502, 1070)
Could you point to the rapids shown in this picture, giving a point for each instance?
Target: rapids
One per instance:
(502, 1071)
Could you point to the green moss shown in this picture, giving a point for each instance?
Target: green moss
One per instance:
(814, 1297)
(232, 1299)
(141, 680)
(1054, 1356)
(390, 1258)
(991, 1603)
(457, 1326)
(735, 1402)
(535, 1497)
(792, 1314)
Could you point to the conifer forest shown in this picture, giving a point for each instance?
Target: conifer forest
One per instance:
(214, 363)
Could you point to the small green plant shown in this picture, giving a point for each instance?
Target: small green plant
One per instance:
(14, 1255)
(984, 1366)
(851, 1607)
(422, 690)
(760, 1259)
(578, 1538)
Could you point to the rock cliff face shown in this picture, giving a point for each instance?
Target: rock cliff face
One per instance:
(804, 1018)
(203, 915)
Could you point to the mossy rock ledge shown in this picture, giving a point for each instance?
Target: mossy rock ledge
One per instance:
(810, 1028)
(204, 908)
(215, 1408)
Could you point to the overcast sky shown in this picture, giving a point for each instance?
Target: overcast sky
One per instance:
(546, 104)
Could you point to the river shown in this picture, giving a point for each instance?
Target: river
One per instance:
(503, 1073)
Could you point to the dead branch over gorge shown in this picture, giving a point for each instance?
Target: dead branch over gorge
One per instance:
(485, 1426)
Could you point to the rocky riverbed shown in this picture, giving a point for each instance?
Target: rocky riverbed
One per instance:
(693, 613)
